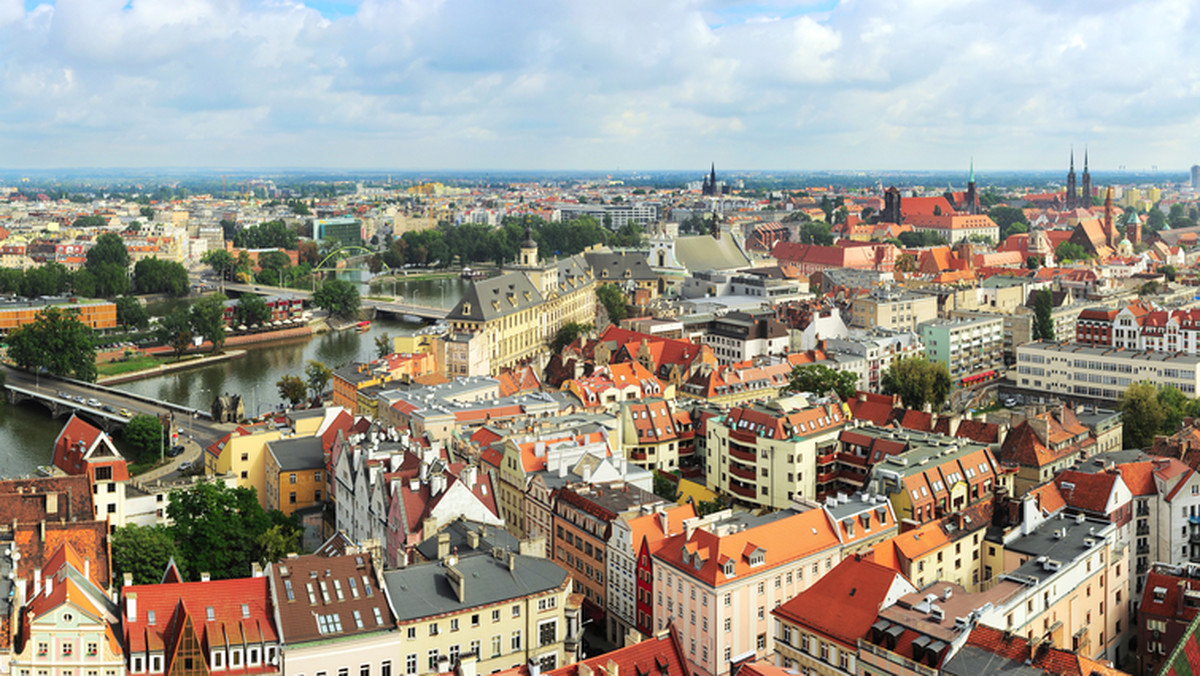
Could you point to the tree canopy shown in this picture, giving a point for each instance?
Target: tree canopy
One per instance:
(266, 235)
(208, 320)
(145, 433)
(317, 376)
(567, 334)
(131, 313)
(291, 388)
(251, 309)
(918, 381)
(338, 297)
(1070, 251)
(1043, 321)
(143, 551)
(819, 379)
(154, 275)
(55, 341)
(217, 529)
(613, 301)
(175, 330)
(1141, 415)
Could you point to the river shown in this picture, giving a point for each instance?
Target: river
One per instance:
(27, 431)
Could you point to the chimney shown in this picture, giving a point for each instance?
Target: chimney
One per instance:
(256, 569)
(473, 539)
(612, 668)
(467, 663)
(205, 577)
(52, 502)
(443, 545)
(127, 580)
(457, 582)
(42, 530)
(535, 668)
(583, 670)
(49, 585)
(511, 560)
(131, 607)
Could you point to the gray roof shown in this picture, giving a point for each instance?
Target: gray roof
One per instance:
(496, 297)
(971, 660)
(702, 252)
(617, 266)
(458, 529)
(297, 453)
(423, 590)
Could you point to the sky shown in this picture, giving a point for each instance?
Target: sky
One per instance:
(608, 85)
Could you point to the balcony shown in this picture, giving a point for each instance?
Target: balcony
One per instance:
(1194, 538)
(826, 459)
(637, 455)
(1143, 529)
(1143, 549)
(744, 456)
(747, 474)
(826, 477)
(744, 491)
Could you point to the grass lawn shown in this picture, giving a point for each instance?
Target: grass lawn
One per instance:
(114, 368)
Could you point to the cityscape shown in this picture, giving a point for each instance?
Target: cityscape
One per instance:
(377, 338)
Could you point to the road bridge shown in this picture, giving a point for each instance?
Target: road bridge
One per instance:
(396, 307)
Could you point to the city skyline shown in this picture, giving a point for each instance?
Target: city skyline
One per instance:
(787, 86)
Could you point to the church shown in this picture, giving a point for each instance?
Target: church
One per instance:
(517, 314)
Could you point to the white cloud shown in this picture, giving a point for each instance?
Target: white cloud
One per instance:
(573, 84)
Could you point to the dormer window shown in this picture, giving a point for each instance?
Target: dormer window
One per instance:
(728, 569)
(466, 308)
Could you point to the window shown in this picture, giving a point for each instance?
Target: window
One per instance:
(728, 625)
(292, 478)
(92, 649)
(516, 610)
(378, 616)
(496, 615)
(412, 632)
(218, 659)
(515, 644)
(68, 649)
(358, 619)
(410, 664)
(475, 620)
(545, 603)
(385, 668)
(496, 645)
(433, 628)
(432, 657)
(761, 642)
(547, 632)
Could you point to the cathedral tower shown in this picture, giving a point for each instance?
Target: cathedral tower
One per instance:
(972, 198)
(1071, 198)
(1085, 198)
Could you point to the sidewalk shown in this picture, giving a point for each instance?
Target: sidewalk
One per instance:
(191, 451)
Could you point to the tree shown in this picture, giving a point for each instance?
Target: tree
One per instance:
(1043, 322)
(131, 313)
(567, 334)
(175, 330)
(108, 248)
(918, 381)
(154, 275)
(146, 434)
(1174, 405)
(819, 379)
(338, 297)
(220, 260)
(1149, 288)
(1168, 271)
(613, 301)
(1008, 218)
(922, 238)
(815, 232)
(906, 262)
(251, 309)
(317, 376)
(217, 529)
(267, 235)
(278, 541)
(1070, 251)
(291, 388)
(208, 320)
(1141, 415)
(55, 341)
(1034, 262)
(1155, 221)
(143, 551)
(665, 486)
(383, 346)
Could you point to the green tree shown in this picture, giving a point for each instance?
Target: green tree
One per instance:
(338, 297)
(1155, 221)
(251, 309)
(46, 280)
(317, 376)
(55, 341)
(267, 235)
(665, 486)
(1174, 405)
(918, 381)
(208, 320)
(1070, 251)
(89, 222)
(108, 248)
(1007, 218)
(1141, 415)
(131, 313)
(220, 260)
(613, 301)
(1034, 262)
(567, 334)
(291, 388)
(816, 232)
(143, 551)
(278, 541)
(154, 275)
(1043, 322)
(145, 433)
(383, 346)
(175, 330)
(1168, 271)
(819, 379)
(217, 529)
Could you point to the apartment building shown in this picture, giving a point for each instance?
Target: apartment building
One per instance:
(1044, 441)
(869, 354)
(738, 336)
(893, 309)
(1169, 604)
(972, 349)
(98, 315)
(507, 608)
(946, 550)
(656, 434)
(1082, 372)
(717, 581)
(765, 455)
(628, 597)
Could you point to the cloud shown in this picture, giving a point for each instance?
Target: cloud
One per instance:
(552, 84)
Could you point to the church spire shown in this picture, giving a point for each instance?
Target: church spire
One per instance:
(971, 176)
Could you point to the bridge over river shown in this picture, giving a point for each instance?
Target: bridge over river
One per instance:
(397, 307)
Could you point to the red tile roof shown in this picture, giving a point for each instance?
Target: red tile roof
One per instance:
(1090, 492)
(661, 656)
(856, 587)
(1050, 661)
(329, 585)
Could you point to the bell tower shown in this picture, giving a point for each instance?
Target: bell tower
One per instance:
(529, 250)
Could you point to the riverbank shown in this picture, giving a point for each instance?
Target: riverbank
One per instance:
(170, 368)
(231, 341)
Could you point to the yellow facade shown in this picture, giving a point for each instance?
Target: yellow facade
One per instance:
(245, 458)
(292, 490)
(97, 315)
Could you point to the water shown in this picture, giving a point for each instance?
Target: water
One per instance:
(27, 432)
(443, 292)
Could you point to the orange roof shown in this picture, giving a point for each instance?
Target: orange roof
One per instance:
(856, 587)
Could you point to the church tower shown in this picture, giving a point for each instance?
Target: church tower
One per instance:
(1085, 198)
(891, 206)
(1071, 183)
(972, 198)
(529, 250)
(1110, 233)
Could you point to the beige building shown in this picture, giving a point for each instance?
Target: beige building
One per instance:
(893, 309)
(507, 608)
(1101, 373)
(518, 313)
(242, 454)
(765, 455)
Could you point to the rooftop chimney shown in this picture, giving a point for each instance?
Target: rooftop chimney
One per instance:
(131, 607)
(443, 545)
(205, 577)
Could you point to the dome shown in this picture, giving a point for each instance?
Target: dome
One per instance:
(529, 243)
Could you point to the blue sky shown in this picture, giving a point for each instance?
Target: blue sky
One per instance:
(618, 84)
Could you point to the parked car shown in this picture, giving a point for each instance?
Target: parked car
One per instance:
(185, 465)
(175, 450)
(108, 408)
(94, 403)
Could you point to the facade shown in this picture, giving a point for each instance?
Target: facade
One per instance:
(893, 309)
(737, 337)
(98, 315)
(628, 578)
(766, 455)
(295, 475)
(716, 581)
(519, 312)
(1169, 604)
(655, 434)
(82, 449)
(507, 608)
(869, 354)
(972, 349)
(1075, 371)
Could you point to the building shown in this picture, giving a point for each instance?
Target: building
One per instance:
(99, 315)
(716, 581)
(945, 550)
(344, 229)
(215, 626)
(1077, 372)
(295, 475)
(972, 349)
(738, 337)
(1169, 605)
(814, 640)
(766, 455)
(629, 577)
(893, 309)
(332, 614)
(520, 311)
(82, 449)
(656, 434)
(507, 608)
(869, 354)
(1043, 442)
